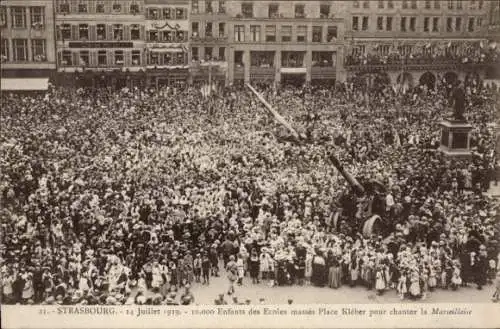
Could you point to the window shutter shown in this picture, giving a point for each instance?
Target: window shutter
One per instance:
(111, 58)
(76, 58)
(91, 6)
(93, 32)
(59, 58)
(126, 32)
(108, 5)
(141, 35)
(128, 58)
(74, 32)
(110, 32)
(73, 6)
(92, 59)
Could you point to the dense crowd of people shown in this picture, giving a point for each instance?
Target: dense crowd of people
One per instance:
(139, 196)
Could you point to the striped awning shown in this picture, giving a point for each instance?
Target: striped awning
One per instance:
(27, 84)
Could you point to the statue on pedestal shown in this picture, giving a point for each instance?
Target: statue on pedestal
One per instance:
(458, 102)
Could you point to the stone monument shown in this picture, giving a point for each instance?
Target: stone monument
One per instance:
(455, 131)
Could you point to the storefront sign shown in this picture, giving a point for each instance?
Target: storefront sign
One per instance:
(101, 45)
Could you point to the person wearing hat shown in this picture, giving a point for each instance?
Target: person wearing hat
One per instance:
(232, 273)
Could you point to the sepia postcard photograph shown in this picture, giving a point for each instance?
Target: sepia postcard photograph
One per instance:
(227, 163)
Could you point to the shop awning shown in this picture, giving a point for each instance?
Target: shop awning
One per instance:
(24, 84)
(166, 50)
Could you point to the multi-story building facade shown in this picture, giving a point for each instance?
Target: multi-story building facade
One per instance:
(101, 42)
(493, 71)
(281, 41)
(208, 40)
(167, 41)
(27, 43)
(416, 41)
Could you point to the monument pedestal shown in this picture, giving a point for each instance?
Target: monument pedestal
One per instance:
(455, 138)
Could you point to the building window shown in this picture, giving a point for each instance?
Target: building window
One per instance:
(117, 7)
(302, 33)
(437, 4)
(195, 7)
(317, 34)
(239, 33)
(426, 24)
(209, 51)
(324, 11)
(66, 58)
(405, 50)
(427, 4)
(119, 58)
(286, 33)
(222, 7)
(208, 30)
(180, 13)
(154, 58)
(300, 11)
(449, 24)
(381, 4)
(247, 9)
(134, 8)
(153, 36)
(270, 33)
(167, 59)
(390, 4)
(18, 16)
(405, 4)
(481, 3)
(365, 23)
(413, 4)
(82, 6)
(64, 7)
(458, 24)
(195, 29)
(331, 34)
(117, 32)
(135, 32)
(167, 36)
(136, 57)
(99, 7)
(255, 33)
(435, 24)
(450, 4)
(403, 24)
(153, 13)
(5, 50)
(102, 58)
(194, 53)
(3, 16)
(459, 5)
(384, 50)
(181, 36)
(66, 32)
(413, 23)
(222, 54)
(366, 4)
(83, 31)
(84, 58)
(20, 48)
(222, 30)
(101, 31)
(292, 59)
(273, 10)
(167, 14)
(479, 22)
(470, 26)
(208, 6)
(380, 23)
(37, 17)
(38, 50)
(355, 23)
(355, 4)
(388, 23)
